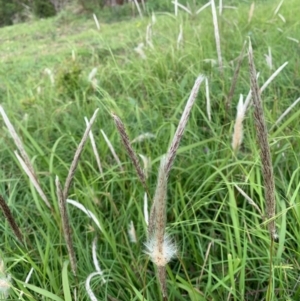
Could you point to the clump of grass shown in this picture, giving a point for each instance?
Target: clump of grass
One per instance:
(211, 219)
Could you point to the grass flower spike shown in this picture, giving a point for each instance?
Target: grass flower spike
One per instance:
(159, 246)
(237, 137)
(265, 154)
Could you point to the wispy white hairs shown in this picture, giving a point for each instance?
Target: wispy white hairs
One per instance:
(163, 253)
(5, 282)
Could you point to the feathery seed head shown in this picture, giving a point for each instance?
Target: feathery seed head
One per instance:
(5, 281)
(166, 254)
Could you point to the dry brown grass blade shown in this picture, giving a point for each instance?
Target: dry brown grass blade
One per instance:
(262, 136)
(8, 215)
(132, 155)
(77, 156)
(66, 225)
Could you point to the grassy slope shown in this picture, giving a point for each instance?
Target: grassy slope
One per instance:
(206, 214)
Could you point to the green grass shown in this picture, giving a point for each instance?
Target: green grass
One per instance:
(223, 244)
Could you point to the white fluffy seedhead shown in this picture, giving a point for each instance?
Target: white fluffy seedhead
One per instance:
(5, 282)
(237, 136)
(161, 257)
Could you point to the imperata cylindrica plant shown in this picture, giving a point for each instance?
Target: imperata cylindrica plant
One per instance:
(159, 245)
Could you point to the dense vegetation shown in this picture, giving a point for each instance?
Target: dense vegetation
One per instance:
(224, 248)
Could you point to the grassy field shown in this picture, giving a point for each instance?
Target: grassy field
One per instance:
(224, 250)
